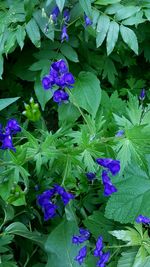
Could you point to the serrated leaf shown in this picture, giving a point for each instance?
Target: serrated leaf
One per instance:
(127, 258)
(86, 5)
(126, 12)
(130, 200)
(102, 28)
(33, 32)
(112, 36)
(42, 95)
(60, 4)
(69, 52)
(87, 92)
(129, 38)
(131, 236)
(106, 2)
(109, 70)
(5, 102)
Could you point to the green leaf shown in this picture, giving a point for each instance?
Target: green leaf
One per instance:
(135, 20)
(87, 92)
(69, 52)
(18, 228)
(68, 113)
(102, 28)
(106, 2)
(112, 36)
(20, 35)
(127, 258)
(109, 70)
(131, 236)
(33, 32)
(42, 21)
(1, 65)
(5, 102)
(60, 4)
(42, 95)
(86, 5)
(59, 247)
(126, 12)
(129, 38)
(130, 200)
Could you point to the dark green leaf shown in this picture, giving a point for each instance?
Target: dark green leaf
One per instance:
(20, 35)
(69, 52)
(42, 95)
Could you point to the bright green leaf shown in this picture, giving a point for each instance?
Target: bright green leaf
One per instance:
(102, 28)
(106, 2)
(129, 38)
(5, 102)
(87, 92)
(86, 5)
(60, 4)
(33, 32)
(126, 12)
(112, 36)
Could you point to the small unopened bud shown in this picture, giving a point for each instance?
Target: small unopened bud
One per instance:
(142, 94)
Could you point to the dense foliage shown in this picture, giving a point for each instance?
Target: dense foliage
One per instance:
(74, 133)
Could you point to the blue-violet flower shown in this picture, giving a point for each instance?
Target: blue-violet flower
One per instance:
(87, 20)
(81, 255)
(142, 219)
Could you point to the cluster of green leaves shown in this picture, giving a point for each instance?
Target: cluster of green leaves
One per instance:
(110, 62)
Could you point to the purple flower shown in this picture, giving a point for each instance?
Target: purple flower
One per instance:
(12, 126)
(81, 255)
(55, 13)
(142, 94)
(87, 20)
(7, 142)
(47, 82)
(64, 35)
(112, 165)
(78, 239)
(120, 133)
(99, 246)
(66, 196)
(84, 232)
(45, 197)
(49, 210)
(142, 219)
(60, 96)
(103, 259)
(90, 176)
(109, 188)
(84, 235)
(66, 15)
(60, 67)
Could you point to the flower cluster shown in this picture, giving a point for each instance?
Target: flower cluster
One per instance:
(112, 166)
(45, 200)
(142, 219)
(98, 252)
(59, 75)
(79, 239)
(6, 134)
(66, 17)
